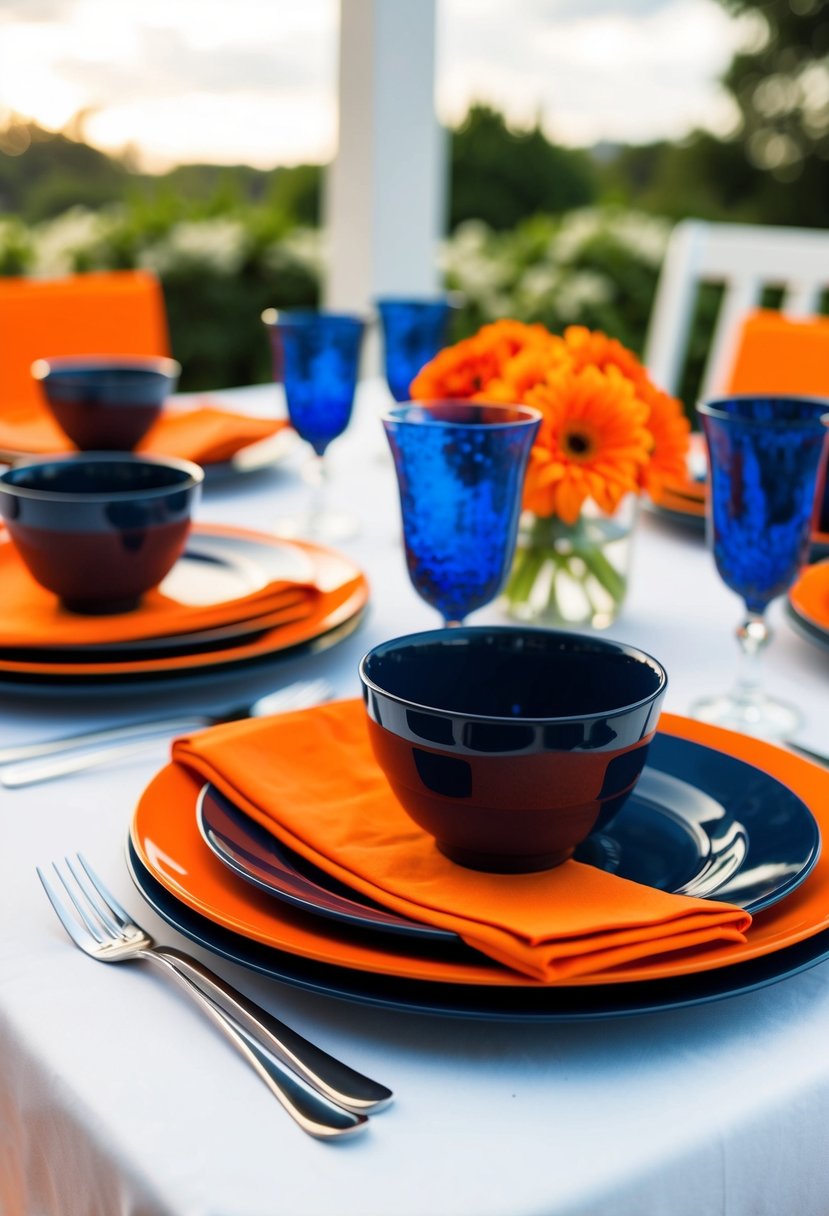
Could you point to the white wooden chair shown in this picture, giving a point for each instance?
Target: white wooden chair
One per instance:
(744, 258)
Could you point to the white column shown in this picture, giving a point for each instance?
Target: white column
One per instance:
(386, 189)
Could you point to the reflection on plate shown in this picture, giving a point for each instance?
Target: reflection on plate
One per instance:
(699, 823)
(540, 1004)
(263, 454)
(172, 849)
(217, 567)
(237, 558)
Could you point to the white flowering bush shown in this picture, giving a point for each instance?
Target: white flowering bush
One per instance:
(219, 272)
(595, 267)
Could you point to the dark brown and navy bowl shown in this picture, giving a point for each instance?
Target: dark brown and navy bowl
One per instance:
(510, 745)
(106, 403)
(100, 528)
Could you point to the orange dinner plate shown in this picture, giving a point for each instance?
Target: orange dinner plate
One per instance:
(166, 838)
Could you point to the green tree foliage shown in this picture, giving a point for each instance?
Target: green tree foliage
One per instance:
(43, 173)
(781, 86)
(502, 176)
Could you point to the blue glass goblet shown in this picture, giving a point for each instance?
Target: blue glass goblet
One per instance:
(316, 355)
(413, 333)
(764, 453)
(460, 471)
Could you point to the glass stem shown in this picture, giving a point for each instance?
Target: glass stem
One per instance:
(753, 636)
(316, 474)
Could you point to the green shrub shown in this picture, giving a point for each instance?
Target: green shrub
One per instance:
(593, 266)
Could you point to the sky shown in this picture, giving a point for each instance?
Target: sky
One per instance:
(254, 81)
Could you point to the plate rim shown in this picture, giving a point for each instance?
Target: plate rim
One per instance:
(352, 596)
(302, 934)
(598, 1002)
(398, 924)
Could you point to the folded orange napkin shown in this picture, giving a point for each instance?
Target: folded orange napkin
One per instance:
(205, 434)
(32, 616)
(310, 778)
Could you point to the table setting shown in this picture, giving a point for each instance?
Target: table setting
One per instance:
(445, 874)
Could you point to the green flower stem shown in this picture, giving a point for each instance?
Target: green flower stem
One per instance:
(570, 552)
(602, 570)
(526, 569)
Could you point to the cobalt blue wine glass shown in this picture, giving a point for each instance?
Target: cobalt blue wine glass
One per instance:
(414, 330)
(316, 355)
(764, 453)
(460, 472)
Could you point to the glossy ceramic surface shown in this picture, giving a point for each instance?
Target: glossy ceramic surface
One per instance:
(673, 833)
(217, 567)
(106, 404)
(764, 458)
(171, 848)
(413, 333)
(100, 529)
(508, 744)
(460, 473)
(336, 612)
(540, 1004)
(316, 356)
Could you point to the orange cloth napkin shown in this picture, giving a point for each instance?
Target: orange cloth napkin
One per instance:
(31, 616)
(310, 778)
(778, 354)
(205, 434)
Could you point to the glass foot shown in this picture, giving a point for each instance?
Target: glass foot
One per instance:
(326, 527)
(761, 716)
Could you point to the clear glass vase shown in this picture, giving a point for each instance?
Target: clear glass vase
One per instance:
(571, 575)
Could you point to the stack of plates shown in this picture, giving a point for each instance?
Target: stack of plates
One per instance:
(716, 815)
(318, 598)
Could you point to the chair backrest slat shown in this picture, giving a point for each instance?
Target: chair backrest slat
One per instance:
(745, 259)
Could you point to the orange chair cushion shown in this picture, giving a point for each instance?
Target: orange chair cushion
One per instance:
(777, 354)
(118, 312)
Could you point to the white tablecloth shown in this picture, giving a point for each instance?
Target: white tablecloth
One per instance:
(117, 1097)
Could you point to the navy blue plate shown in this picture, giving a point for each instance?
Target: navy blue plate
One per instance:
(542, 1004)
(699, 823)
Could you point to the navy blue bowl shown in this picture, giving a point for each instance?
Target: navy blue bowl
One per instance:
(510, 745)
(99, 528)
(106, 403)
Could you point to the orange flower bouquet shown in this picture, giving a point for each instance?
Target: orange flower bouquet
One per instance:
(607, 434)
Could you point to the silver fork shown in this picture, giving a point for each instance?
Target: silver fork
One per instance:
(329, 1098)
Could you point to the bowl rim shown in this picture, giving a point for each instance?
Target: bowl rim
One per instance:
(522, 415)
(713, 407)
(460, 630)
(194, 472)
(48, 365)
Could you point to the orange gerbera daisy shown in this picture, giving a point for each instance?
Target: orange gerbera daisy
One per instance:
(592, 442)
(468, 368)
(461, 370)
(670, 430)
(529, 367)
(593, 348)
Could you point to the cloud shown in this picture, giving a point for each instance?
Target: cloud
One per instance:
(165, 64)
(36, 11)
(590, 69)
